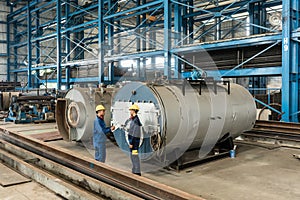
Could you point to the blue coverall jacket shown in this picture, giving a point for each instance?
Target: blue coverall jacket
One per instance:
(99, 138)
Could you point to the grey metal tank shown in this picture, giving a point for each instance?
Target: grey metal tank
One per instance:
(75, 113)
(180, 117)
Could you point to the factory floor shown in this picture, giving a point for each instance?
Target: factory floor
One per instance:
(27, 191)
(255, 173)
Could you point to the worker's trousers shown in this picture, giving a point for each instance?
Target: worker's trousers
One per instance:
(100, 152)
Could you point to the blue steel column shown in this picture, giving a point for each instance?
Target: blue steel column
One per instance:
(15, 52)
(58, 43)
(257, 14)
(8, 47)
(111, 44)
(101, 33)
(29, 46)
(184, 24)
(191, 22)
(37, 52)
(167, 39)
(68, 45)
(144, 44)
(178, 29)
(290, 66)
(138, 42)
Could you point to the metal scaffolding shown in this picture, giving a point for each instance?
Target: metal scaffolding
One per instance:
(67, 42)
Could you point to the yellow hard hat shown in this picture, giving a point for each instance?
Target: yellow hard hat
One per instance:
(100, 107)
(134, 107)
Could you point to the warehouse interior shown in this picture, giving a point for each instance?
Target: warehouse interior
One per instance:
(216, 83)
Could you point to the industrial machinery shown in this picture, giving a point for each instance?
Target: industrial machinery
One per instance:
(31, 108)
(176, 117)
(185, 115)
(75, 112)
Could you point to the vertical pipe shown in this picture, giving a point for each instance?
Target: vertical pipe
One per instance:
(101, 33)
(58, 43)
(29, 46)
(167, 42)
(218, 28)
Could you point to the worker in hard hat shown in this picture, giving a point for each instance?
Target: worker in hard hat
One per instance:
(134, 135)
(99, 135)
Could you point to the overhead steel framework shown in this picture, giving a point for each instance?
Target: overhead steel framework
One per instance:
(73, 41)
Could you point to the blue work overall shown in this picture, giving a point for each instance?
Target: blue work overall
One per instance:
(99, 139)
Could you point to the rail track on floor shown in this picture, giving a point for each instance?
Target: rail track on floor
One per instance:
(282, 133)
(74, 177)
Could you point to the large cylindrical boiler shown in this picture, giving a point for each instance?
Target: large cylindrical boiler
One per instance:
(180, 117)
(76, 112)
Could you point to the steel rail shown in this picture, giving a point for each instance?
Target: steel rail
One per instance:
(139, 186)
(64, 181)
(275, 130)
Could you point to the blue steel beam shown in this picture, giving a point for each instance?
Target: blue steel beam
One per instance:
(134, 55)
(15, 53)
(167, 38)
(191, 22)
(252, 57)
(80, 25)
(58, 44)
(101, 39)
(226, 44)
(264, 71)
(178, 29)
(85, 10)
(53, 22)
(19, 11)
(153, 3)
(37, 52)
(138, 40)
(8, 48)
(290, 65)
(235, 5)
(68, 45)
(268, 106)
(137, 13)
(29, 47)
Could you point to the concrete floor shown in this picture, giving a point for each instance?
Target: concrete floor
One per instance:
(27, 191)
(255, 173)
